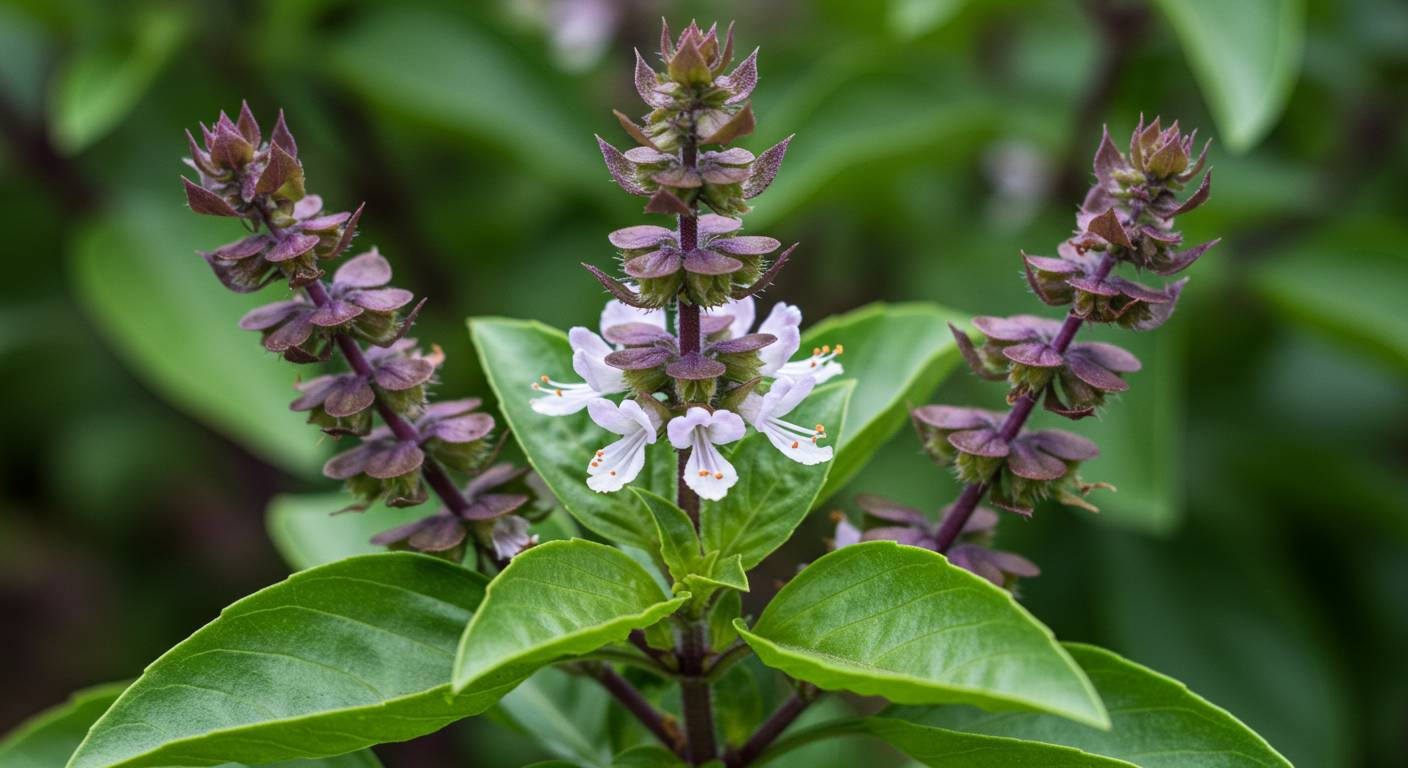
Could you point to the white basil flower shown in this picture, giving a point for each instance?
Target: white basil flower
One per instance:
(765, 414)
(612, 467)
(706, 472)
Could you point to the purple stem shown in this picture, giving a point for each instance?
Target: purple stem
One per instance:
(434, 474)
(967, 502)
(767, 732)
(636, 704)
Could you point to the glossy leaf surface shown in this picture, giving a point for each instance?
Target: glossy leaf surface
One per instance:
(558, 599)
(882, 619)
(331, 660)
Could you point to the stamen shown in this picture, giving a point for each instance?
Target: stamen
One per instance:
(613, 473)
(536, 387)
(718, 475)
(703, 473)
(543, 378)
(839, 349)
(795, 444)
(559, 393)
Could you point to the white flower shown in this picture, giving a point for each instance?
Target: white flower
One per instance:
(510, 536)
(707, 472)
(619, 463)
(589, 353)
(784, 322)
(765, 414)
(617, 313)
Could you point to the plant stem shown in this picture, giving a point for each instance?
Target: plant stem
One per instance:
(696, 695)
(434, 474)
(656, 722)
(687, 322)
(967, 502)
(770, 729)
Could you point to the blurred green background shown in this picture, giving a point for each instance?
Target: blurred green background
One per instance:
(1256, 549)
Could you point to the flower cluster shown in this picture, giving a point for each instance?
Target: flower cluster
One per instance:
(678, 340)
(1127, 218)
(907, 525)
(241, 175)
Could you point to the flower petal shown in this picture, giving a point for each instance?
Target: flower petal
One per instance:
(894, 512)
(367, 270)
(640, 236)
(747, 245)
(381, 299)
(1065, 445)
(702, 261)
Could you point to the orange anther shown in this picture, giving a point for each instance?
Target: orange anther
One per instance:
(718, 475)
(795, 443)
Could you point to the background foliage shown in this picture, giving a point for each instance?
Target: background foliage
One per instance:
(1256, 549)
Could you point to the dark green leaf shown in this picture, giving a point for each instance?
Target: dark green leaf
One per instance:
(514, 353)
(333, 659)
(897, 354)
(152, 296)
(48, 739)
(1246, 56)
(774, 493)
(1156, 722)
(882, 619)
(679, 544)
(951, 749)
(562, 598)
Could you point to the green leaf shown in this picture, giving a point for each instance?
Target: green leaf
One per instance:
(951, 749)
(567, 714)
(727, 573)
(1271, 666)
(333, 659)
(146, 290)
(48, 738)
(513, 354)
(774, 493)
(882, 619)
(1156, 722)
(728, 607)
(647, 756)
(1369, 275)
(100, 85)
(308, 529)
(679, 544)
(307, 533)
(562, 598)
(1246, 56)
(897, 354)
(509, 106)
